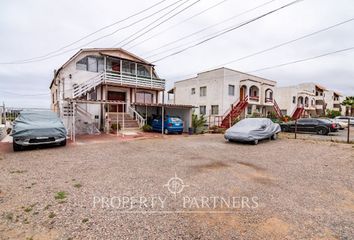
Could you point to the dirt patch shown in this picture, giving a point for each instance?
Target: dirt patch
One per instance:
(211, 166)
(251, 165)
(274, 228)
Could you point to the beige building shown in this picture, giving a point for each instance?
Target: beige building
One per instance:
(217, 92)
(314, 98)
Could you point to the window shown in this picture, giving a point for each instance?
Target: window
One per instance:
(231, 90)
(192, 91)
(142, 71)
(202, 110)
(128, 67)
(143, 97)
(294, 99)
(91, 64)
(203, 91)
(214, 109)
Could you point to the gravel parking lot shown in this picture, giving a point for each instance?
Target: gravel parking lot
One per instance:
(283, 189)
(340, 136)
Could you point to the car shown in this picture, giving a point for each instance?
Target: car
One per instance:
(252, 130)
(344, 119)
(34, 128)
(315, 125)
(341, 124)
(172, 124)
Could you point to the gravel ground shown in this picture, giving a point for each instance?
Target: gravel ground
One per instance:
(283, 189)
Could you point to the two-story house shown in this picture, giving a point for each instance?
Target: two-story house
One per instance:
(223, 94)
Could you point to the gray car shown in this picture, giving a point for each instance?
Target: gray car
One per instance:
(253, 130)
(33, 128)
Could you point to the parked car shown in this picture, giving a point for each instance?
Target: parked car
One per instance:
(172, 124)
(316, 125)
(341, 125)
(33, 128)
(253, 130)
(344, 119)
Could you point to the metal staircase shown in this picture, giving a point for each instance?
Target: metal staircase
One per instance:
(277, 109)
(234, 112)
(298, 112)
(84, 122)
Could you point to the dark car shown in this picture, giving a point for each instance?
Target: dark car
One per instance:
(319, 126)
(33, 128)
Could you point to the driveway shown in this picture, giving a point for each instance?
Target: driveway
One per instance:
(179, 187)
(340, 136)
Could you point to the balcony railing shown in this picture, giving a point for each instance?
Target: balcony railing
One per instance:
(254, 98)
(269, 100)
(133, 80)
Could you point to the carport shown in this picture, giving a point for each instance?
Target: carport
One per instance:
(153, 110)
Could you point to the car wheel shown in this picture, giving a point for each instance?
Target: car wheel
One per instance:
(166, 131)
(274, 137)
(255, 142)
(16, 147)
(322, 131)
(63, 143)
(180, 132)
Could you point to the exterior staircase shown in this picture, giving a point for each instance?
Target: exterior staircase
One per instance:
(234, 112)
(84, 122)
(277, 110)
(298, 113)
(129, 121)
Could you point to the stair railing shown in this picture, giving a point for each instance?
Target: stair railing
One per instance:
(135, 115)
(82, 88)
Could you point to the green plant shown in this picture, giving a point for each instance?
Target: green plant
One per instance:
(216, 129)
(332, 113)
(349, 103)
(255, 115)
(198, 123)
(60, 195)
(51, 215)
(146, 128)
(114, 127)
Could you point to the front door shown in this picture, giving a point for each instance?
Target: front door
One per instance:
(116, 96)
(242, 93)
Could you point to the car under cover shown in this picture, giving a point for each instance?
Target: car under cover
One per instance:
(251, 129)
(37, 124)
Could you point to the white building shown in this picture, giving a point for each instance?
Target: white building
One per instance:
(313, 98)
(217, 92)
(98, 86)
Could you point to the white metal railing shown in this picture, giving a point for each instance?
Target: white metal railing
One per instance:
(117, 78)
(135, 115)
(133, 80)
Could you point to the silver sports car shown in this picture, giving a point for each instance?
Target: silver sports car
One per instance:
(253, 130)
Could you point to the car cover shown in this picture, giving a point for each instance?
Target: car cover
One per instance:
(251, 129)
(32, 124)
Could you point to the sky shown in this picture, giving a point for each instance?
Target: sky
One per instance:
(35, 28)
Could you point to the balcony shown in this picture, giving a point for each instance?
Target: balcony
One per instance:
(133, 80)
(269, 100)
(254, 98)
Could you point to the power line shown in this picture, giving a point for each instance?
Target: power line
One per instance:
(202, 30)
(25, 95)
(303, 60)
(140, 33)
(175, 25)
(95, 40)
(93, 33)
(228, 30)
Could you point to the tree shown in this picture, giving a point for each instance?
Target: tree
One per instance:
(349, 103)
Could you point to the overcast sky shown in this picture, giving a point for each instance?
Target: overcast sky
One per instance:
(34, 28)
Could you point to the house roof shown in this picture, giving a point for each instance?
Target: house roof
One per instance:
(338, 94)
(321, 87)
(100, 51)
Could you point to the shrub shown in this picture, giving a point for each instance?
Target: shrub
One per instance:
(216, 129)
(114, 126)
(198, 123)
(146, 128)
(332, 113)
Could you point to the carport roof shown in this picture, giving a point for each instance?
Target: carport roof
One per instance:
(166, 105)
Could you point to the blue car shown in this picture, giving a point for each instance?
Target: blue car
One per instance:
(171, 125)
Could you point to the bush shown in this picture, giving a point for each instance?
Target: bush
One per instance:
(216, 129)
(146, 128)
(114, 127)
(198, 123)
(286, 118)
(332, 113)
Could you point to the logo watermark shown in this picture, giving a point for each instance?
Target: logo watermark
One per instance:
(185, 203)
